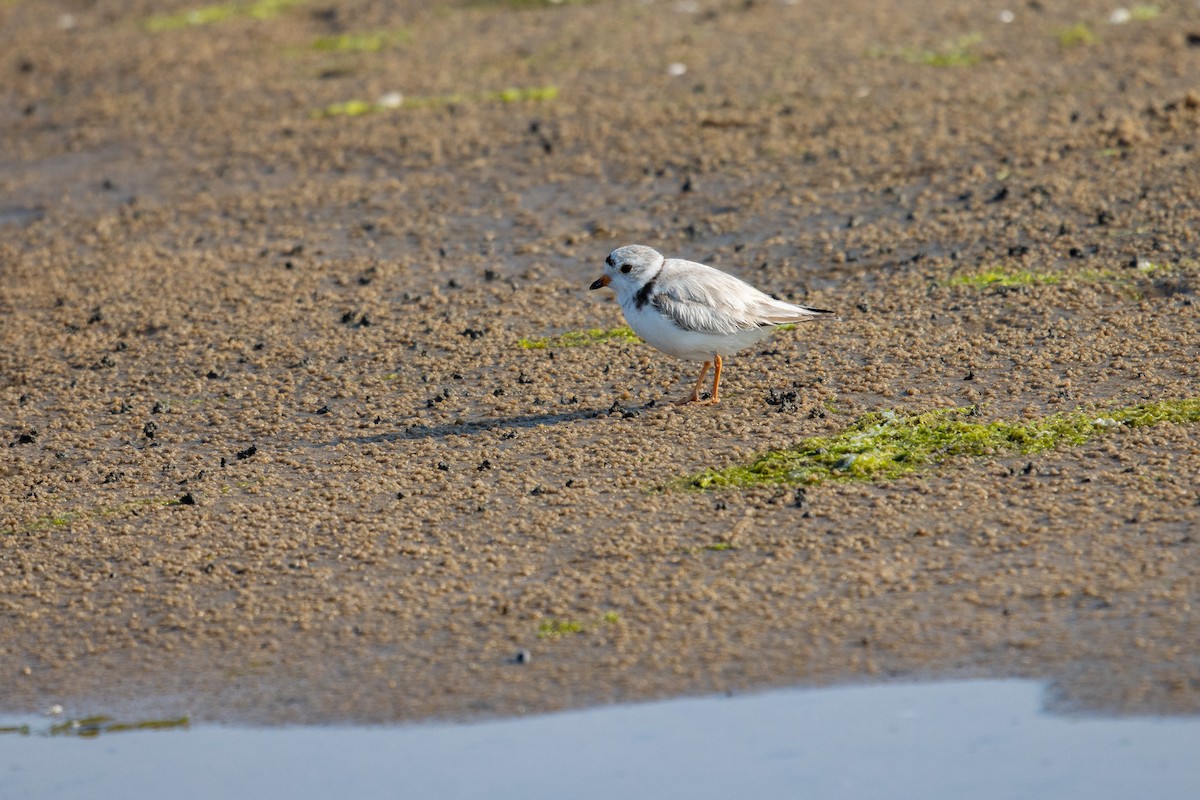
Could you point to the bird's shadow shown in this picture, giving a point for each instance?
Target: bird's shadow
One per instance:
(470, 427)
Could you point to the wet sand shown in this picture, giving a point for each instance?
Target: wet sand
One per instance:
(274, 451)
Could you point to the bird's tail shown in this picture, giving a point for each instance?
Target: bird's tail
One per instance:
(784, 313)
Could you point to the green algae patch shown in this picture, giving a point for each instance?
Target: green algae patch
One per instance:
(958, 52)
(350, 108)
(391, 102)
(49, 522)
(555, 628)
(1077, 35)
(89, 727)
(581, 338)
(999, 276)
(885, 445)
(711, 547)
(208, 15)
(67, 518)
(1144, 13)
(148, 725)
(1151, 269)
(521, 95)
(1127, 279)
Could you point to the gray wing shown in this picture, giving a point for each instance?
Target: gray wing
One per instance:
(701, 299)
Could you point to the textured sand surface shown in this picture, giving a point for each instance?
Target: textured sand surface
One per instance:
(306, 329)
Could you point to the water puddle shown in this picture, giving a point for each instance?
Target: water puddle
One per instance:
(976, 739)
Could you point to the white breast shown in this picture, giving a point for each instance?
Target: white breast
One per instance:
(663, 334)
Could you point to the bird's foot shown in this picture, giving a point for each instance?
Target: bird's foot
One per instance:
(696, 398)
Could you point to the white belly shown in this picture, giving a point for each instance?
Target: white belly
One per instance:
(661, 333)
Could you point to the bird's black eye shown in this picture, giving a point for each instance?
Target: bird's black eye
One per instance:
(626, 267)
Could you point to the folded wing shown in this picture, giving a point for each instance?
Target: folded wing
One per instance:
(704, 300)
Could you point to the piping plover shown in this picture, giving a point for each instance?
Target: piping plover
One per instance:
(692, 311)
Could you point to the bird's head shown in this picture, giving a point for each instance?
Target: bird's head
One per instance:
(628, 268)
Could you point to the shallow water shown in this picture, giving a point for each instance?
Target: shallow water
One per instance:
(976, 739)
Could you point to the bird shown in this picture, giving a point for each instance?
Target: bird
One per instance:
(693, 311)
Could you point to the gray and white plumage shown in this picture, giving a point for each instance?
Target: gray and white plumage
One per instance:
(690, 310)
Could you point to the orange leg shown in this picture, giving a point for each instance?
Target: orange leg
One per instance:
(695, 396)
(716, 379)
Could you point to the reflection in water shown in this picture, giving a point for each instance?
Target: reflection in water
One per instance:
(976, 739)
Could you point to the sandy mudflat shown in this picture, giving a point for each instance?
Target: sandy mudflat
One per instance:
(272, 449)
